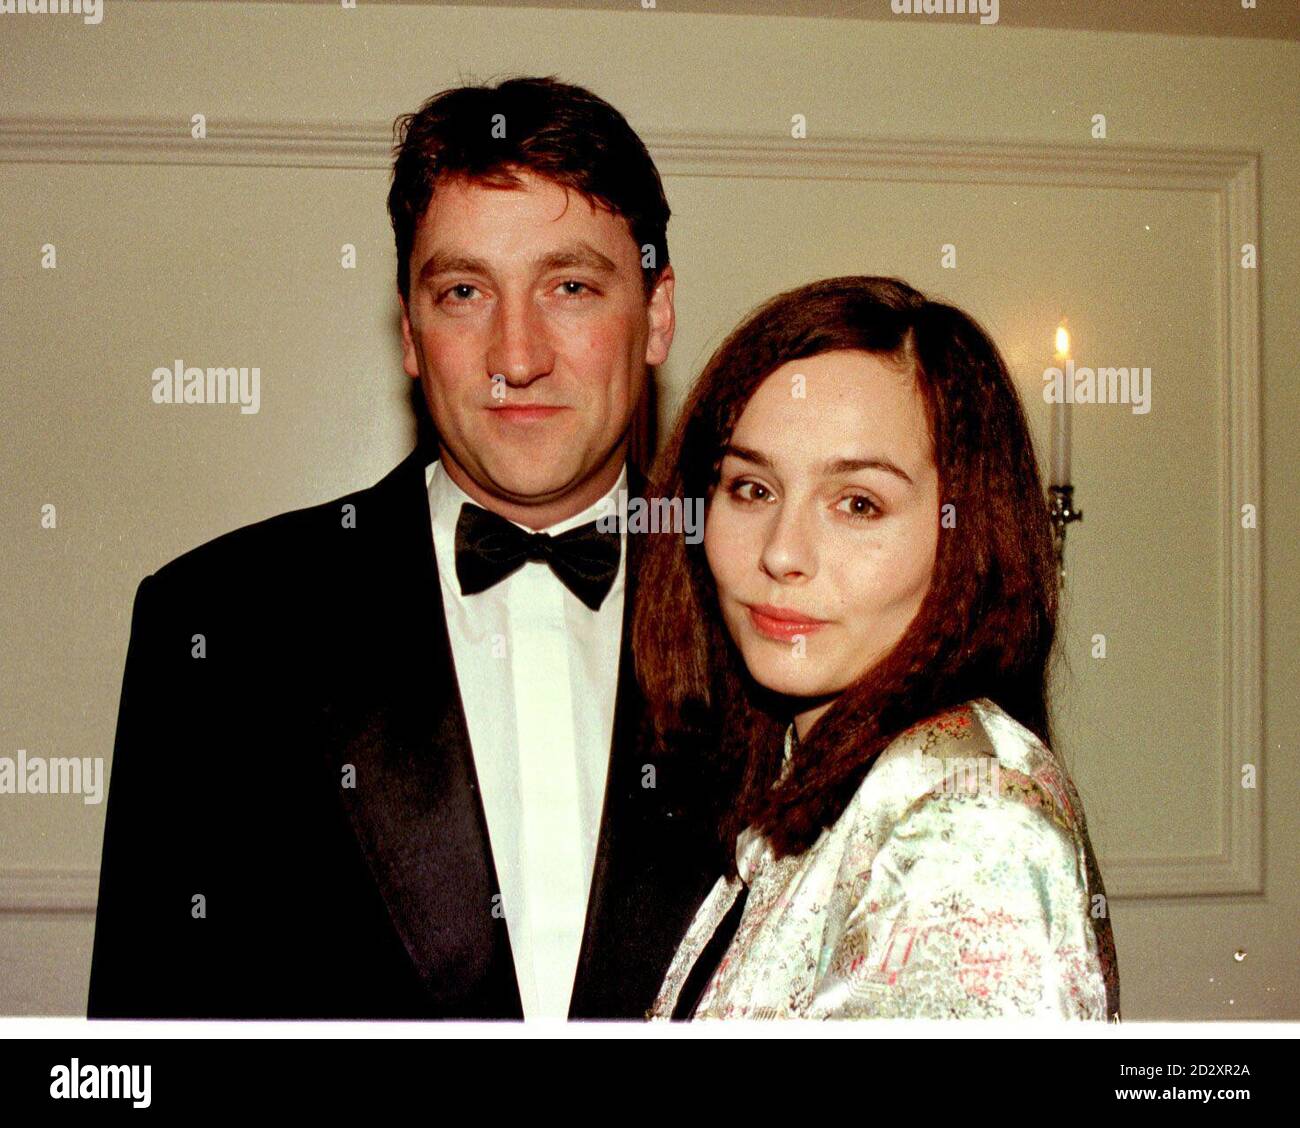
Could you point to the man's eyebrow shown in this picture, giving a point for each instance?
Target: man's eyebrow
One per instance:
(832, 466)
(443, 262)
(579, 254)
(576, 254)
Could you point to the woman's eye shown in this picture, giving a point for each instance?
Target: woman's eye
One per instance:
(749, 491)
(858, 506)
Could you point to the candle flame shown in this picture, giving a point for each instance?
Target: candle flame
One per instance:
(1062, 340)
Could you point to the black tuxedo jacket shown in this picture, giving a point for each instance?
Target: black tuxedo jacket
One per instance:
(294, 826)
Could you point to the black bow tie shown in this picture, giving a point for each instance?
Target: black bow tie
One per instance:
(489, 548)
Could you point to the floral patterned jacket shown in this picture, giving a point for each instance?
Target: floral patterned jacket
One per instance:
(958, 883)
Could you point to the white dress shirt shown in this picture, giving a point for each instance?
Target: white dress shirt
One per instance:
(538, 675)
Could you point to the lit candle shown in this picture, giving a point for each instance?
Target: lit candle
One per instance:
(1061, 414)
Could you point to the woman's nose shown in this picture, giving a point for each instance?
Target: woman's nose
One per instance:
(789, 550)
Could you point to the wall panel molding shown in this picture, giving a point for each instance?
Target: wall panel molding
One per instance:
(1232, 176)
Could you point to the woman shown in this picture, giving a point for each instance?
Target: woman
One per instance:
(860, 644)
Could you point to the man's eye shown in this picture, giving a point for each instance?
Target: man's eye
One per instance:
(457, 288)
(573, 282)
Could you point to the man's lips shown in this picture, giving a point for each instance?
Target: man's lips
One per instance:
(782, 623)
(524, 413)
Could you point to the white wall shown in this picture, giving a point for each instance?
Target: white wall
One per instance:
(225, 251)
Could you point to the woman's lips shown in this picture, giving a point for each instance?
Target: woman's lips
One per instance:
(782, 623)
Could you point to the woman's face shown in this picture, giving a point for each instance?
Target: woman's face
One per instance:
(822, 532)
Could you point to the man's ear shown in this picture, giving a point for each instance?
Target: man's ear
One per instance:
(410, 359)
(663, 318)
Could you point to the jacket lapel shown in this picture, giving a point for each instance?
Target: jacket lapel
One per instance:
(398, 720)
(395, 715)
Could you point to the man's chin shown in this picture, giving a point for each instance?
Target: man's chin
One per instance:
(539, 482)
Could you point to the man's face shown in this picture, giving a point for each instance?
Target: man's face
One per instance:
(530, 333)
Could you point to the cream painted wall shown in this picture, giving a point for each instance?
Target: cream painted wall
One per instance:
(214, 257)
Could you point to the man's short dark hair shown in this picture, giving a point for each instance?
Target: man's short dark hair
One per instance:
(553, 129)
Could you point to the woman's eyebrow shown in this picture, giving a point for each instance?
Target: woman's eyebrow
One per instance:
(849, 465)
(832, 466)
(747, 455)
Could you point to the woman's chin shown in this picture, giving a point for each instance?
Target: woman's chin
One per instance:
(778, 677)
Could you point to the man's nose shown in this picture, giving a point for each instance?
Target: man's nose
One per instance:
(519, 349)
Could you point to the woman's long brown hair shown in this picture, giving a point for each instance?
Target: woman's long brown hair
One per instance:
(984, 629)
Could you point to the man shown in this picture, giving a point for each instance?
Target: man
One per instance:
(386, 757)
